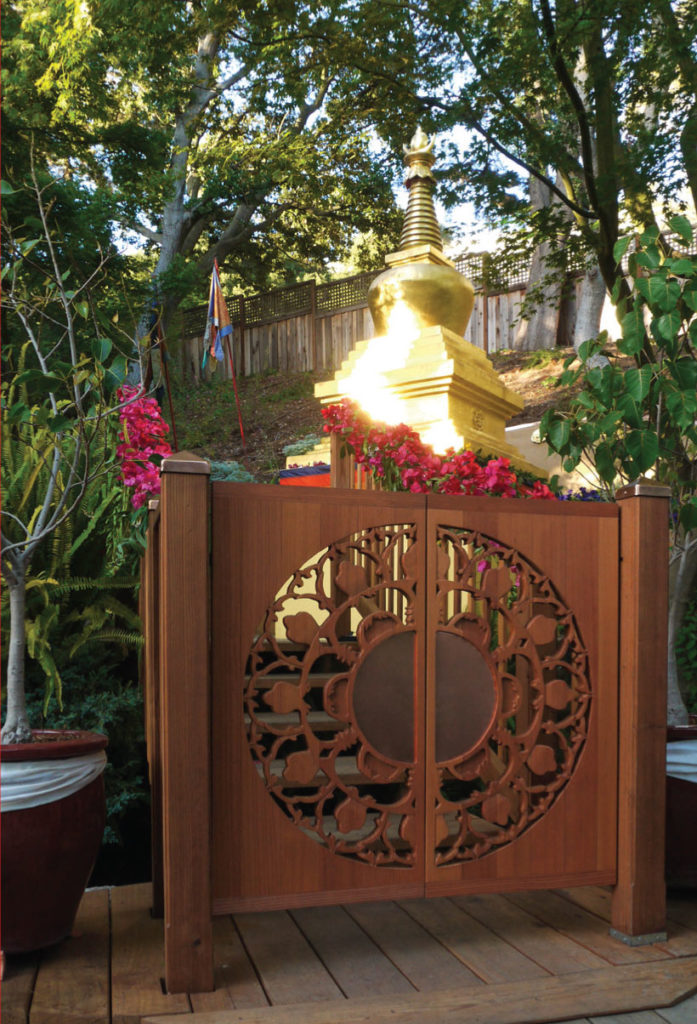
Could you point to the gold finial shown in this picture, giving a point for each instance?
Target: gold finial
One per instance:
(420, 222)
(420, 144)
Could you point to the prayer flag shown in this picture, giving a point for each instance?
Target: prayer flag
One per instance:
(218, 324)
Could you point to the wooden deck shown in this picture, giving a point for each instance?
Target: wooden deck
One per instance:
(527, 957)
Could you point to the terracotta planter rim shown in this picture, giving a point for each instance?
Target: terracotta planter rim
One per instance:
(54, 745)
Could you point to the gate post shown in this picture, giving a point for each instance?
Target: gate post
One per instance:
(149, 589)
(639, 897)
(185, 722)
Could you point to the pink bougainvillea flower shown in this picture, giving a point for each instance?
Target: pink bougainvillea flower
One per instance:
(142, 444)
(401, 460)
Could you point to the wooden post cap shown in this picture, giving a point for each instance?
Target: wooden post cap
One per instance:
(643, 488)
(186, 462)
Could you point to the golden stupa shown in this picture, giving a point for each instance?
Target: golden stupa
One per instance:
(418, 369)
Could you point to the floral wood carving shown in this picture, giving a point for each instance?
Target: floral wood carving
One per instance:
(331, 688)
(329, 697)
(524, 671)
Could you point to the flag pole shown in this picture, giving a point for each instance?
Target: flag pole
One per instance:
(232, 364)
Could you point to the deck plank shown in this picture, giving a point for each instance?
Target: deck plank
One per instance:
(72, 985)
(18, 986)
(682, 940)
(593, 898)
(644, 1017)
(490, 957)
(629, 987)
(683, 909)
(583, 927)
(684, 1012)
(236, 982)
(424, 961)
(557, 953)
(350, 956)
(138, 958)
(288, 966)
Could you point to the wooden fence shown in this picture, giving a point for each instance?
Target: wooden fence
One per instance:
(313, 326)
(348, 698)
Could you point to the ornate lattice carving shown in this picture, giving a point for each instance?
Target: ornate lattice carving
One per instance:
(524, 673)
(329, 696)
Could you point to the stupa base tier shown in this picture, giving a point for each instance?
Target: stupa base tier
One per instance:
(445, 388)
(483, 445)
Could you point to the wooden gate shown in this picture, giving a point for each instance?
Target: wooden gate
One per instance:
(408, 695)
(403, 688)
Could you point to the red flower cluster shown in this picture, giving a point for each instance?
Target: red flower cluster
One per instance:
(403, 462)
(142, 440)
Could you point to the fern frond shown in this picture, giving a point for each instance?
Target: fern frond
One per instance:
(132, 640)
(97, 583)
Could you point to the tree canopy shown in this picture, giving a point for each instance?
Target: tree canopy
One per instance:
(211, 131)
(596, 99)
(250, 132)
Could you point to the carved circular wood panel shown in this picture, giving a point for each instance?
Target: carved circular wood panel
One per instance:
(330, 697)
(331, 683)
(488, 794)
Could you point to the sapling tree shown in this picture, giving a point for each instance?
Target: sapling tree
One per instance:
(636, 415)
(64, 371)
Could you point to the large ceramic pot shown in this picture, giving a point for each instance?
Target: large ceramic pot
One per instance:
(681, 806)
(53, 813)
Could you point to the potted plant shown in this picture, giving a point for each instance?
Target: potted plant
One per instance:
(62, 372)
(636, 414)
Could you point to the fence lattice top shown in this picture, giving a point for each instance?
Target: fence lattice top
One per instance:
(494, 272)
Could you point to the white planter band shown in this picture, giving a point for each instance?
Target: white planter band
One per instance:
(681, 760)
(32, 783)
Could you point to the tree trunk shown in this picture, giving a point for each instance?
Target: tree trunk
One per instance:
(590, 306)
(16, 728)
(538, 329)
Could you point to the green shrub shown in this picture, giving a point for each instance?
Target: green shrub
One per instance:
(686, 655)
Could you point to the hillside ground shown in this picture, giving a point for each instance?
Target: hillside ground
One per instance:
(279, 409)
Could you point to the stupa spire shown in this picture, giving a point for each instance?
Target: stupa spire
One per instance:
(420, 222)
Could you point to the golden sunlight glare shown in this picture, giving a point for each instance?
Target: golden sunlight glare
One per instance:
(367, 383)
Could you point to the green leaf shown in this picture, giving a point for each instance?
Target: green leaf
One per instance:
(682, 227)
(649, 235)
(649, 258)
(683, 371)
(83, 309)
(5, 188)
(690, 295)
(682, 267)
(688, 514)
(608, 423)
(48, 380)
(682, 406)
(605, 462)
(658, 291)
(559, 434)
(665, 328)
(631, 413)
(101, 347)
(27, 246)
(620, 247)
(116, 374)
(19, 413)
(633, 332)
(642, 445)
(637, 382)
(584, 400)
(57, 423)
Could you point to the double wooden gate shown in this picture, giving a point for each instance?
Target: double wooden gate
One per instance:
(408, 695)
